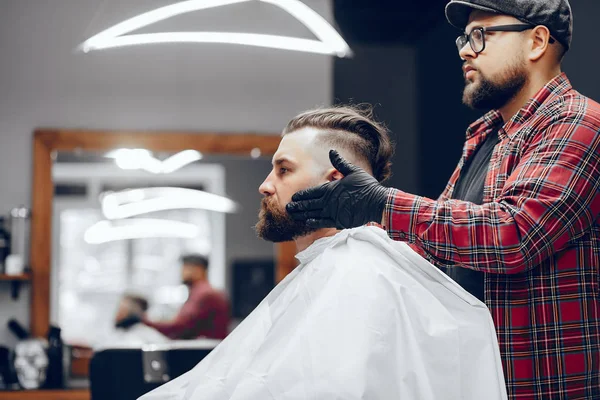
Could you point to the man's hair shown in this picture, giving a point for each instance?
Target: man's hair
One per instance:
(197, 260)
(351, 128)
(561, 51)
(138, 303)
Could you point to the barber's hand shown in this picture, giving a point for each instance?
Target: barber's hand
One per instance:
(356, 199)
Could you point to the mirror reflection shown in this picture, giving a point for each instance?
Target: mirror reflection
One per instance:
(131, 230)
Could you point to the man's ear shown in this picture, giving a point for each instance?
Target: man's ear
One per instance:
(540, 37)
(333, 175)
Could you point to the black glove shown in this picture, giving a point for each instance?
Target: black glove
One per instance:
(352, 201)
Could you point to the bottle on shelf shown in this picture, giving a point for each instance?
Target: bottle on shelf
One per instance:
(19, 236)
(4, 244)
(55, 372)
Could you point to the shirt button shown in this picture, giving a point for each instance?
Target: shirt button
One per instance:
(402, 235)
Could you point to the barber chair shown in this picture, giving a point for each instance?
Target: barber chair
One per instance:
(126, 373)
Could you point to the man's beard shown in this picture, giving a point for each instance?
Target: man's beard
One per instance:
(489, 95)
(276, 225)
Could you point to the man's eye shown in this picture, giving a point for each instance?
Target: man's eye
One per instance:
(282, 170)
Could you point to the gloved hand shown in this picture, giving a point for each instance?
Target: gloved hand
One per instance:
(352, 201)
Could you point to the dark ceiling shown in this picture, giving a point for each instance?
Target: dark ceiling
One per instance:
(387, 21)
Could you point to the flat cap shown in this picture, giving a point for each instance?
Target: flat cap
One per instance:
(556, 15)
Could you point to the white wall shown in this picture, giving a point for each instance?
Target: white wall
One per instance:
(44, 83)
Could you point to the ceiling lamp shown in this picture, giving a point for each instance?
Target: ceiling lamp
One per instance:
(330, 41)
(132, 202)
(109, 231)
(143, 159)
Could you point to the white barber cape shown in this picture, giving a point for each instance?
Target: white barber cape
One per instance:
(362, 317)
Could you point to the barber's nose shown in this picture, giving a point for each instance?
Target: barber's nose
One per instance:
(467, 52)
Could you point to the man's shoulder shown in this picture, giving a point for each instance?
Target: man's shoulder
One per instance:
(565, 115)
(363, 246)
(370, 235)
(574, 106)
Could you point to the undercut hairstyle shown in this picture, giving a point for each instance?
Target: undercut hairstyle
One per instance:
(197, 260)
(353, 129)
(561, 51)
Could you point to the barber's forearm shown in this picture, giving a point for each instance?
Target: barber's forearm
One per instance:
(172, 329)
(393, 223)
(166, 328)
(487, 238)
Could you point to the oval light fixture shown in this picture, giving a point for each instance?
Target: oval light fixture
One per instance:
(329, 40)
(139, 228)
(132, 202)
(143, 159)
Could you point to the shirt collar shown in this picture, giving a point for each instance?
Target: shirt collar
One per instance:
(490, 120)
(556, 87)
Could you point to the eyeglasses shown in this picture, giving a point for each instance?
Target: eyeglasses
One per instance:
(476, 38)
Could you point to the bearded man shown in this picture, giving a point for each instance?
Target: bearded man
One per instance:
(518, 223)
(362, 316)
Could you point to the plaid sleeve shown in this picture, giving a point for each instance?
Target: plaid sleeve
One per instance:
(549, 199)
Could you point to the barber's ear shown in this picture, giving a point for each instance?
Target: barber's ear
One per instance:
(334, 175)
(540, 37)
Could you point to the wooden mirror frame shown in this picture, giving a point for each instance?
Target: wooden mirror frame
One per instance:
(46, 141)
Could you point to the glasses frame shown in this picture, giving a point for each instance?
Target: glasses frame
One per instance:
(467, 38)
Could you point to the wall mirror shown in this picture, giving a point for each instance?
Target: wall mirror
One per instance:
(114, 211)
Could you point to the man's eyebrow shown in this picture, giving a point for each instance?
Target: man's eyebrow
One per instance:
(281, 160)
(480, 25)
(473, 27)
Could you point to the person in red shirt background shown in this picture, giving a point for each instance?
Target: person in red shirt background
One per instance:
(206, 312)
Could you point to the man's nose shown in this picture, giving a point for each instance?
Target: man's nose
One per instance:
(266, 188)
(466, 52)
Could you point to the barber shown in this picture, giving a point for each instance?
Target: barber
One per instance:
(518, 223)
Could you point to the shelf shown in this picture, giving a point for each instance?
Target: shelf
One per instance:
(74, 394)
(15, 281)
(21, 277)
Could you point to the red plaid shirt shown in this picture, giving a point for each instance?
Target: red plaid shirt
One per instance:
(536, 238)
(204, 314)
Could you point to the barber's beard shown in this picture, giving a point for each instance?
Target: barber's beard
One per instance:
(276, 225)
(488, 94)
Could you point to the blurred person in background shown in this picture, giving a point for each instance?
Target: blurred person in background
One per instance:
(129, 327)
(206, 312)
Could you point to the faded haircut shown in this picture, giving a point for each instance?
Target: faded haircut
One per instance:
(353, 129)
